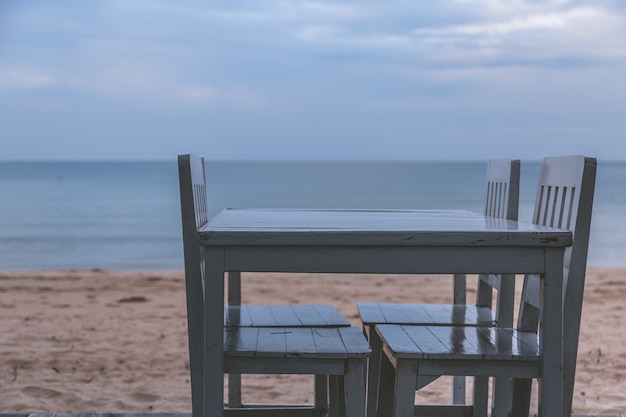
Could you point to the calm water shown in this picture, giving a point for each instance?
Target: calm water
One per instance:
(125, 215)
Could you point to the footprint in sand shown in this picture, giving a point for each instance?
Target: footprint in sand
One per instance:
(143, 397)
(49, 394)
(39, 392)
(133, 299)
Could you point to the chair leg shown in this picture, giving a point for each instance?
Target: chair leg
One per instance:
(481, 396)
(520, 404)
(334, 397)
(234, 380)
(458, 389)
(404, 388)
(354, 388)
(373, 372)
(234, 391)
(459, 296)
(568, 392)
(501, 397)
(321, 395)
(386, 381)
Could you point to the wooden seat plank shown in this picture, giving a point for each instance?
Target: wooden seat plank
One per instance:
(271, 341)
(450, 342)
(300, 342)
(329, 342)
(325, 313)
(355, 344)
(312, 342)
(426, 314)
(287, 315)
(237, 316)
(262, 316)
(240, 341)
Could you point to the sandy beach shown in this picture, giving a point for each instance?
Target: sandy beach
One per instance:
(100, 341)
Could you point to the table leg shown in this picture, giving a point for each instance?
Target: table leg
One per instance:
(234, 299)
(459, 296)
(354, 388)
(214, 332)
(551, 336)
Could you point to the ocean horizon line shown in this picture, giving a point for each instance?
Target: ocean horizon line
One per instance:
(283, 160)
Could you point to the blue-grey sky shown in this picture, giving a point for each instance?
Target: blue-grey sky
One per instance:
(322, 80)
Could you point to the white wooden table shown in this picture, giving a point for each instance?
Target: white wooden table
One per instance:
(380, 241)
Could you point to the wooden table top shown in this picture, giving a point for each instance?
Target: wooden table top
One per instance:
(327, 227)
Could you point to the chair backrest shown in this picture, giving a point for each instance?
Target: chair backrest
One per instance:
(194, 212)
(564, 200)
(193, 206)
(502, 201)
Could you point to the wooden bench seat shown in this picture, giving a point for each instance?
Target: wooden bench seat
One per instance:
(339, 353)
(419, 353)
(295, 342)
(471, 343)
(284, 315)
(426, 314)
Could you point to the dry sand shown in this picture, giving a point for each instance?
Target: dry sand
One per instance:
(99, 341)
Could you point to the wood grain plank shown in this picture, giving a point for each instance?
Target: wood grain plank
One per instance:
(300, 342)
(354, 342)
(240, 341)
(329, 343)
(370, 313)
(285, 315)
(261, 316)
(330, 315)
(451, 314)
(398, 341)
(371, 227)
(272, 341)
(237, 316)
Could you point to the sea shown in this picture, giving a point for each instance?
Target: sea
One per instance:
(126, 215)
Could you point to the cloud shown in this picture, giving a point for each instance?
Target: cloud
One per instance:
(472, 33)
(24, 80)
(331, 10)
(198, 93)
(546, 21)
(282, 10)
(237, 97)
(571, 36)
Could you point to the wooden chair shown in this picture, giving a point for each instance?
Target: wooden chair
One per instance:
(501, 201)
(564, 200)
(319, 315)
(292, 339)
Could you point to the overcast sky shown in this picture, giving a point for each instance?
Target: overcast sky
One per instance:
(321, 80)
